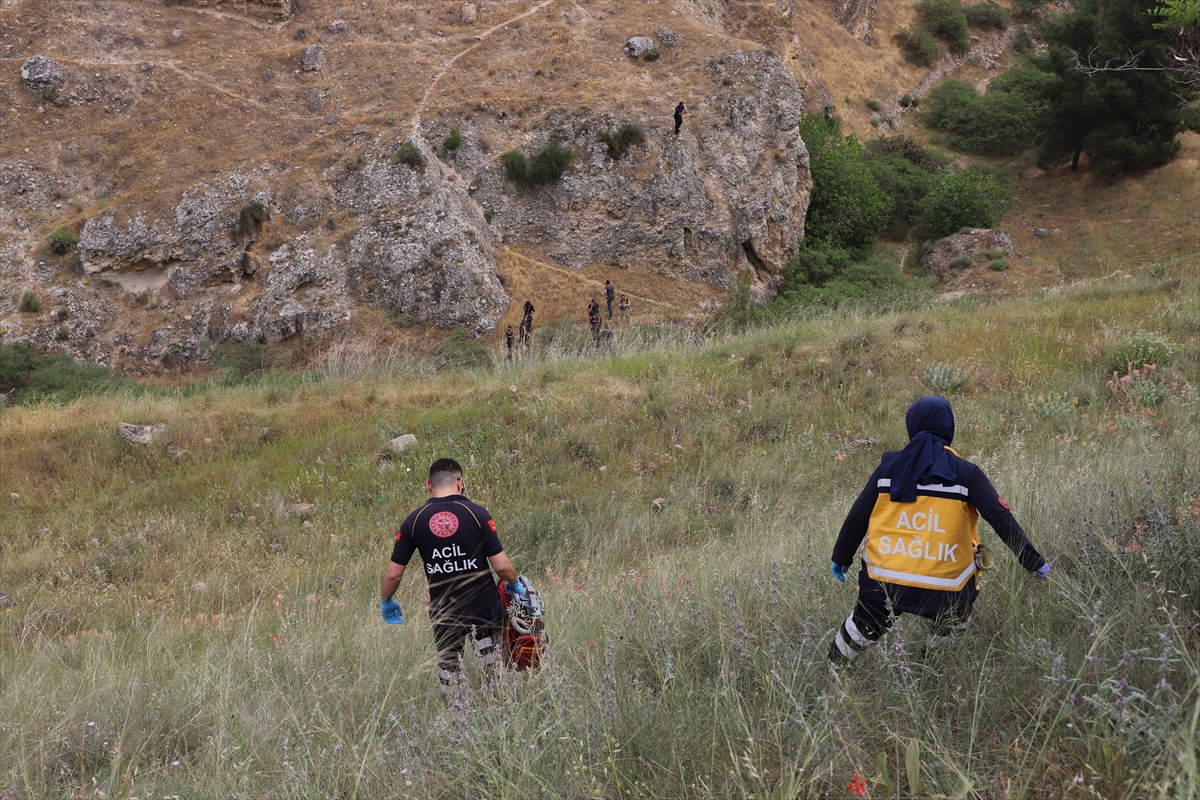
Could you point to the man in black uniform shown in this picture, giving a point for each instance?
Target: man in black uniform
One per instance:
(609, 292)
(918, 513)
(454, 537)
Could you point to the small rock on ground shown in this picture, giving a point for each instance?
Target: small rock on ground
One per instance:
(469, 12)
(42, 74)
(299, 510)
(638, 46)
(313, 58)
(402, 443)
(667, 37)
(140, 434)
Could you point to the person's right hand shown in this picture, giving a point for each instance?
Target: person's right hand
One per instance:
(516, 588)
(839, 571)
(1044, 570)
(392, 614)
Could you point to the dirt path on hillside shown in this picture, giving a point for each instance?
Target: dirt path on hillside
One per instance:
(479, 40)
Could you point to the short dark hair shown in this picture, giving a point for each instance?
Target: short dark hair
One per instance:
(443, 471)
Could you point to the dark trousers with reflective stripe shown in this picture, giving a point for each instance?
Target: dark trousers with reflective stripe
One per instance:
(872, 618)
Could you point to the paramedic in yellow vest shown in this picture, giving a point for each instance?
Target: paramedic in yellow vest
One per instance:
(918, 515)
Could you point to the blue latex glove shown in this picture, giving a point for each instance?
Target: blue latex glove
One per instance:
(517, 588)
(839, 571)
(1044, 571)
(392, 614)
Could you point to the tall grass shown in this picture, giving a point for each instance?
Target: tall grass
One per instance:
(174, 632)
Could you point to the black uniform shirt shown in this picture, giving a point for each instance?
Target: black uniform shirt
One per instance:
(455, 538)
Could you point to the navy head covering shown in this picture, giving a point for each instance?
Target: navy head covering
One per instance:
(930, 423)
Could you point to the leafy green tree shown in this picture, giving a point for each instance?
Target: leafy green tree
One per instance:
(1114, 97)
(846, 208)
(905, 171)
(946, 20)
(965, 200)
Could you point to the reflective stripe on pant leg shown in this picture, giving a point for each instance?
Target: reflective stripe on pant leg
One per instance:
(850, 641)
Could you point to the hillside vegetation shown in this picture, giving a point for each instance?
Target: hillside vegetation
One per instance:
(176, 628)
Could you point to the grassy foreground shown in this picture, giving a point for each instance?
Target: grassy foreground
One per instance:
(173, 631)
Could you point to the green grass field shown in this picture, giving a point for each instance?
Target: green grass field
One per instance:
(172, 631)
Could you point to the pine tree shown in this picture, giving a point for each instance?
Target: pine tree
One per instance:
(1112, 99)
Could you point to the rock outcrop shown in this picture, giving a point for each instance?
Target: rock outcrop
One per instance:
(962, 250)
(704, 206)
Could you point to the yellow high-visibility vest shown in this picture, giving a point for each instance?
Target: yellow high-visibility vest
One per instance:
(929, 542)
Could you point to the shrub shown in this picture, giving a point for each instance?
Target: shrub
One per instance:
(919, 46)
(987, 15)
(823, 274)
(962, 262)
(62, 240)
(1055, 405)
(620, 142)
(453, 140)
(906, 100)
(966, 200)
(547, 166)
(904, 183)
(994, 254)
(948, 99)
(910, 150)
(1004, 121)
(999, 264)
(1139, 349)
(874, 104)
(250, 221)
(488, 215)
(946, 20)
(239, 359)
(1028, 9)
(653, 53)
(945, 378)
(847, 208)
(1138, 387)
(28, 376)
(408, 153)
(460, 351)
(30, 303)
(516, 167)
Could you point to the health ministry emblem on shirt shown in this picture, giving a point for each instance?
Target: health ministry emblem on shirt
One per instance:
(443, 524)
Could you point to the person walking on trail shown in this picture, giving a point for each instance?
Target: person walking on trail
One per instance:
(918, 514)
(526, 328)
(609, 292)
(623, 306)
(680, 110)
(594, 318)
(458, 543)
(508, 340)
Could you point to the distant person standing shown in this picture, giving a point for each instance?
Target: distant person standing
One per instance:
(624, 308)
(609, 292)
(508, 339)
(680, 110)
(594, 318)
(526, 327)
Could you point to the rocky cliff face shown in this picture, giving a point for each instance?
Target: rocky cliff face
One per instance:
(153, 143)
(726, 196)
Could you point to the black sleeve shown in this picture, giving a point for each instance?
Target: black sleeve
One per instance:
(406, 544)
(491, 539)
(984, 497)
(855, 526)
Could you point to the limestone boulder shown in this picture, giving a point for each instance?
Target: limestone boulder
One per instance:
(962, 250)
(42, 74)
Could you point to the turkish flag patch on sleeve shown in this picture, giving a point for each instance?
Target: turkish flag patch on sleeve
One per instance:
(1001, 499)
(492, 525)
(398, 535)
